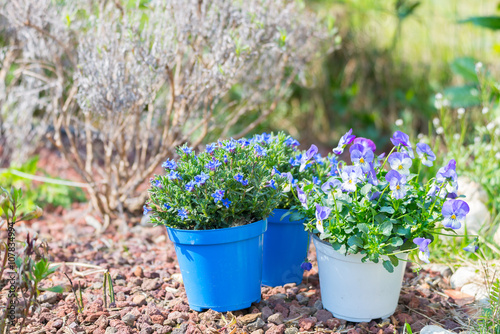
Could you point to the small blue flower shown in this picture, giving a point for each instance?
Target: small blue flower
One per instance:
(471, 248)
(230, 146)
(213, 164)
(173, 175)
(261, 152)
(272, 184)
(166, 206)
(187, 150)
(225, 158)
(182, 213)
(291, 142)
(226, 202)
(190, 185)
(306, 265)
(218, 195)
(146, 210)
(243, 142)
(210, 148)
(316, 180)
(318, 158)
(296, 162)
(275, 171)
(169, 164)
(266, 138)
(201, 179)
(157, 183)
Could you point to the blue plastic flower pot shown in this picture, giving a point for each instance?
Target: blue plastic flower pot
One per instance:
(221, 269)
(285, 249)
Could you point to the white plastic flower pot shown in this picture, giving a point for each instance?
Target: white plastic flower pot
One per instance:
(357, 291)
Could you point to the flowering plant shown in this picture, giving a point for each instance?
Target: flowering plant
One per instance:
(229, 184)
(378, 206)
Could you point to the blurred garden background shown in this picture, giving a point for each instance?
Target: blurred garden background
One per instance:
(95, 95)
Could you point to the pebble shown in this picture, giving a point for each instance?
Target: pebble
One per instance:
(478, 291)
(318, 305)
(111, 330)
(139, 299)
(49, 297)
(276, 318)
(278, 329)
(323, 315)
(307, 323)
(177, 277)
(462, 276)
(291, 330)
(432, 329)
(258, 331)
(151, 284)
(251, 317)
(253, 326)
(303, 300)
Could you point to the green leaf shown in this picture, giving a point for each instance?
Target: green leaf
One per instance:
(355, 241)
(490, 22)
(294, 217)
(465, 67)
(408, 328)
(366, 189)
(363, 228)
(396, 241)
(462, 96)
(403, 231)
(394, 260)
(388, 266)
(386, 228)
(387, 209)
(56, 289)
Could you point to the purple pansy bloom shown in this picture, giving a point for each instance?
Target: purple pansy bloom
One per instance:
(446, 175)
(302, 197)
(425, 154)
(187, 150)
(367, 143)
(260, 151)
(378, 161)
(400, 162)
(397, 183)
(322, 213)
(146, 210)
(190, 185)
(423, 246)
(400, 138)
(169, 164)
(351, 175)
(213, 164)
(330, 184)
(374, 195)
(372, 175)
(290, 178)
(226, 202)
(218, 195)
(343, 142)
(454, 212)
(306, 265)
(173, 175)
(471, 248)
(310, 153)
(210, 148)
(182, 213)
(361, 156)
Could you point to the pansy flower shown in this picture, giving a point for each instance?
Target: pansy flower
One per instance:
(472, 247)
(400, 162)
(400, 139)
(351, 175)
(454, 212)
(367, 143)
(423, 246)
(397, 183)
(322, 213)
(302, 197)
(343, 142)
(361, 156)
(310, 153)
(425, 154)
(330, 184)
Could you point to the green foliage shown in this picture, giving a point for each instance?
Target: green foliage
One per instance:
(490, 22)
(44, 194)
(30, 266)
(203, 191)
(489, 321)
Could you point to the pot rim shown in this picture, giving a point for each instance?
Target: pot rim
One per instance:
(217, 236)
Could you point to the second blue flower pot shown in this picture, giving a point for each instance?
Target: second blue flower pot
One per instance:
(221, 269)
(285, 249)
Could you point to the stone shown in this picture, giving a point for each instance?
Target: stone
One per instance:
(478, 291)
(258, 331)
(177, 277)
(181, 329)
(433, 329)
(251, 317)
(276, 318)
(151, 284)
(138, 272)
(323, 316)
(111, 330)
(266, 312)
(291, 330)
(444, 270)
(253, 326)
(49, 297)
(278, 329)
(129, 319)
(463, 276)
(139, 299)
(307, 323)
(318, 304)
(303, 300)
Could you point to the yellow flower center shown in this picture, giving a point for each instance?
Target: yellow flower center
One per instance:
(400, 167)
(362, 160)
(350, 181)
(398, 187)
(453, 217)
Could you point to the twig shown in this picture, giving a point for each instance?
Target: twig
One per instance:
(46, 179)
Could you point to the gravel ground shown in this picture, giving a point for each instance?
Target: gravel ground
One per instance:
(150, 296)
